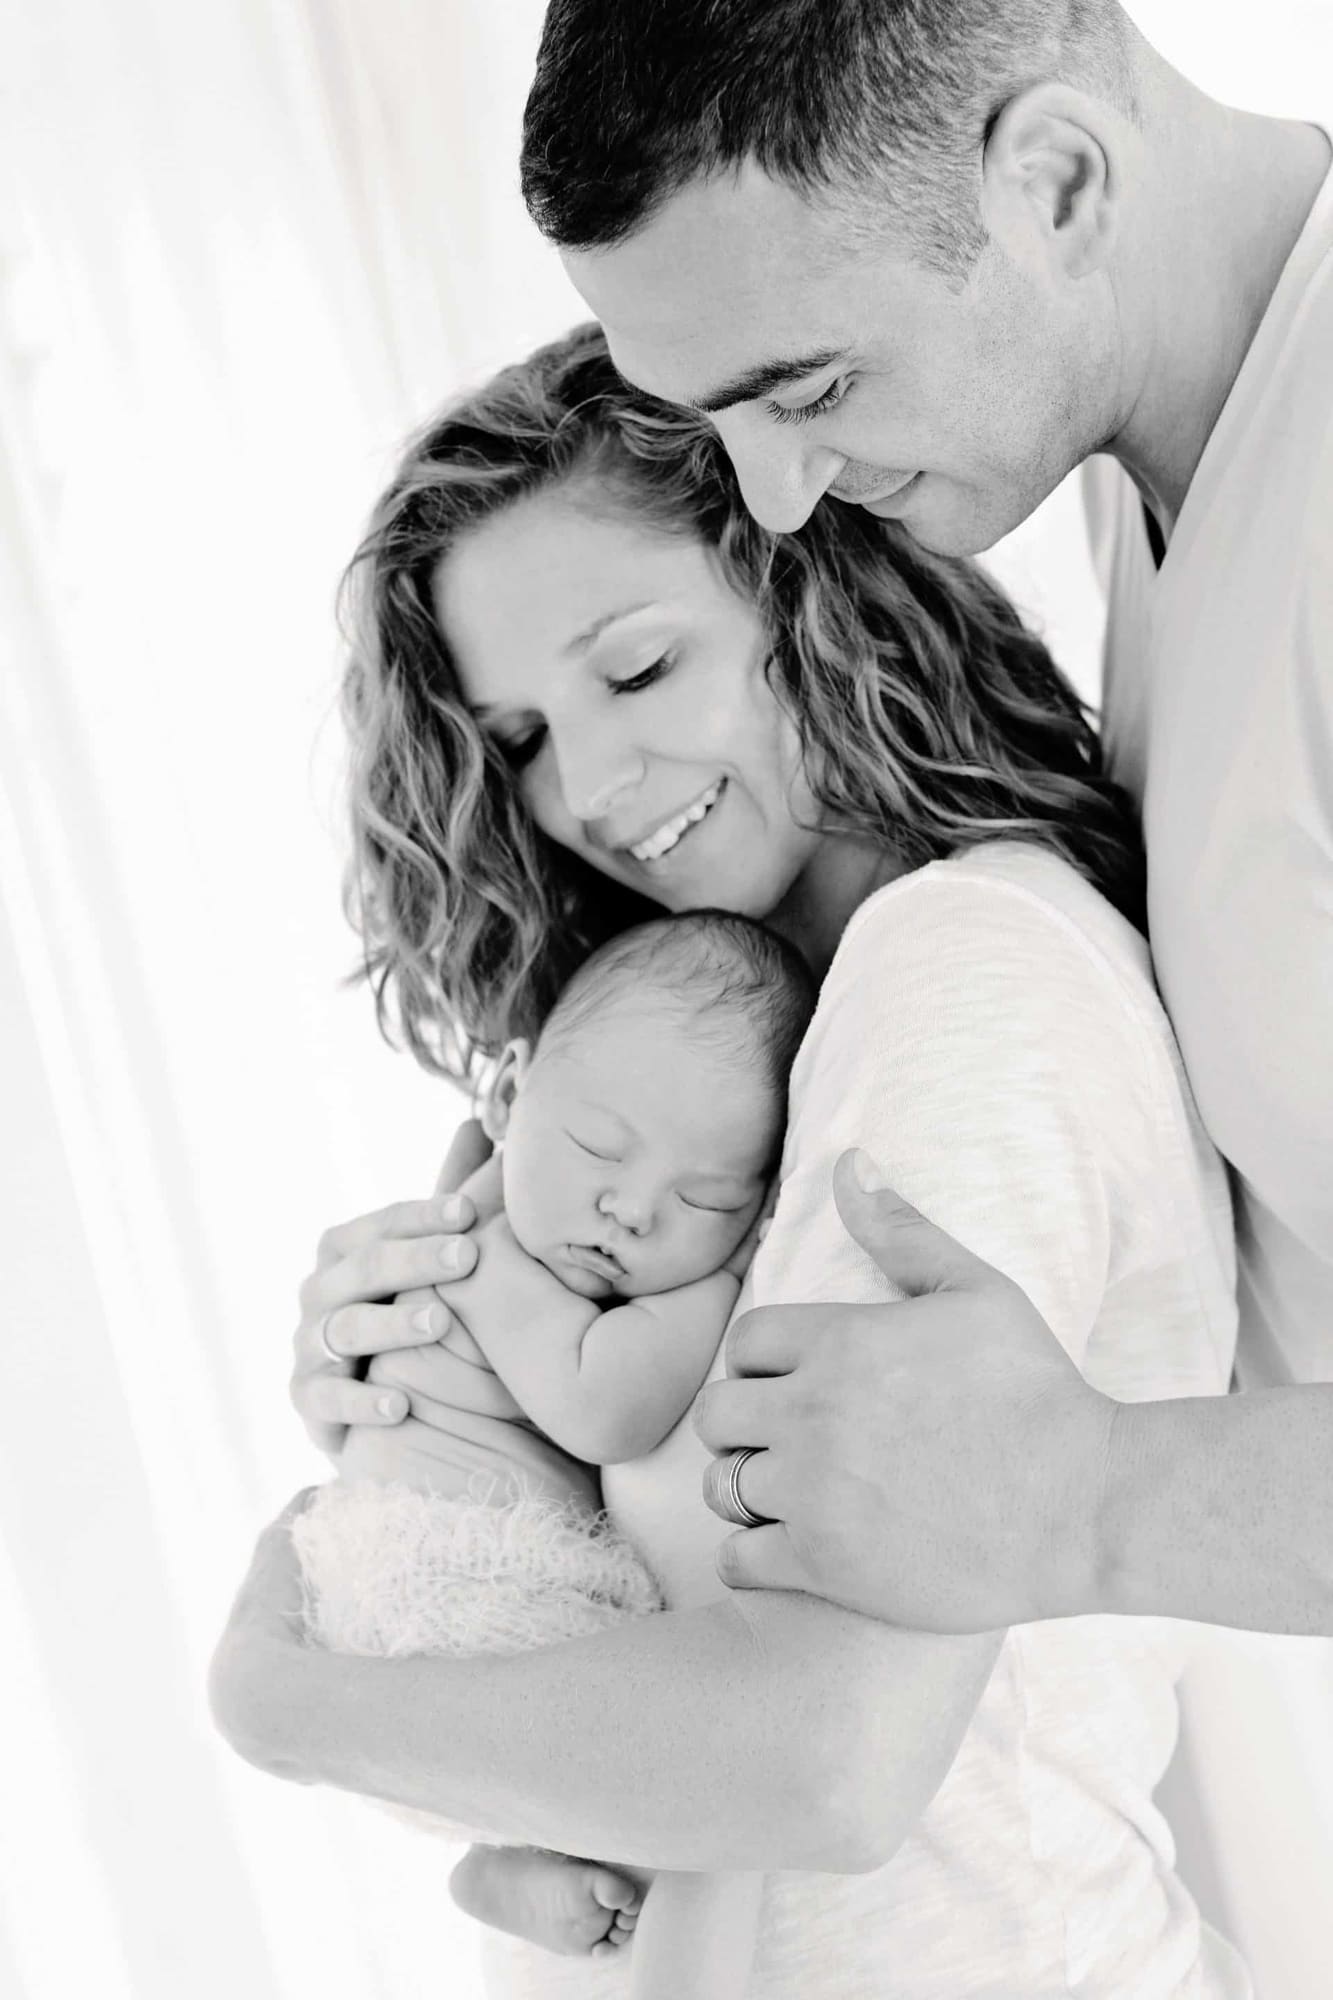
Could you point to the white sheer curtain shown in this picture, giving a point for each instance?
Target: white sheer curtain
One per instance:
(246, 244)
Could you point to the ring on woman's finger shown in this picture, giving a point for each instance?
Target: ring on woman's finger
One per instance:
(322, 1331)
(731, 1505)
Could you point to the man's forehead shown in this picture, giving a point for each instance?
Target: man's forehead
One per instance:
(713, 285)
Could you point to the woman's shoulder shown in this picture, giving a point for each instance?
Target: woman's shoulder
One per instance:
(999, 913)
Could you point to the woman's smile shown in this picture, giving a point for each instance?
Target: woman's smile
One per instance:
(667, 836)
(626, 684)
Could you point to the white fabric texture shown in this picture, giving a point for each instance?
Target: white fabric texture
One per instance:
(989, 1032)
(1218, 715)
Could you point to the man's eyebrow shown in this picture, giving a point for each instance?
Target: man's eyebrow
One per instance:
(764, 378)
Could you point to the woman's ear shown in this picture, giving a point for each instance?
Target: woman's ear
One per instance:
(1052, 178)
(498, 1099)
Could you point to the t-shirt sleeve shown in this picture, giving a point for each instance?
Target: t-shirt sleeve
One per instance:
(985, 1057)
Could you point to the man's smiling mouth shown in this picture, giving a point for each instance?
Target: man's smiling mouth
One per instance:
(671, 832)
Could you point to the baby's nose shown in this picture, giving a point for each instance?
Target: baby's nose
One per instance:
(628, 1207)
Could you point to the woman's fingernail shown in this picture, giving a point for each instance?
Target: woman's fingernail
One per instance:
(450, 1211)
(430, 1321)
(868, 1176)
(451, 1254)
(390, 1406)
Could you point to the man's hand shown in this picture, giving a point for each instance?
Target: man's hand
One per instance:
(936, 1463)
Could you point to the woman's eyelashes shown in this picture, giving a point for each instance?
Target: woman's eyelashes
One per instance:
(522, 746)
(803, 412)
(631, 685)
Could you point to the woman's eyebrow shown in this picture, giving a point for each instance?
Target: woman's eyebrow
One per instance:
(582, 640)
(766, 376)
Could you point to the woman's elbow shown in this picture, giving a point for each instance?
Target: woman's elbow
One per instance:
(853, 1832)
(249, 1715)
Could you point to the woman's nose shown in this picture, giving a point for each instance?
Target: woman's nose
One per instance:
(782, 477)
(595, 775)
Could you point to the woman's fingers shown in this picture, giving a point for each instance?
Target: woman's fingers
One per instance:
(381, 1269)
(446, 1213)
(414, 1318)
(330, 1403)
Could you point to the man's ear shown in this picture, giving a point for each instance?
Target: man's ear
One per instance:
(1052, 178)
(498, 1098)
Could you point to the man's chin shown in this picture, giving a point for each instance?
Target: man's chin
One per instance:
(949, 523)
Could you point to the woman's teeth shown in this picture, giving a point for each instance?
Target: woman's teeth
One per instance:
(662, 842)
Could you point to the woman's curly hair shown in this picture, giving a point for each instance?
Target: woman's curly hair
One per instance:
(930, 718)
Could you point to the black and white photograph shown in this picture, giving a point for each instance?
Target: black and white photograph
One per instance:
(666, 1000)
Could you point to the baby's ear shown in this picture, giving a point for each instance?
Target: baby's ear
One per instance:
(498, 1097)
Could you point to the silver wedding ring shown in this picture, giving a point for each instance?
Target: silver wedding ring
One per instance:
(733, 1507)
(338, 1360)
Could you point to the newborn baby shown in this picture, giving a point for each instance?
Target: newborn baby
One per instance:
(638, 1141)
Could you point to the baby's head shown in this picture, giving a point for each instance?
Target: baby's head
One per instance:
(642, 1131)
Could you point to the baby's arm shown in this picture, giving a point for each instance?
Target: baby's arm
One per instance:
(609, 1386)
(642, 1363)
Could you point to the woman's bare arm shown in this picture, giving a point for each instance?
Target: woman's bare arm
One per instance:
(769, 1731)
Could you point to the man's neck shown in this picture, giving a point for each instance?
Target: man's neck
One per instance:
(1231, 193)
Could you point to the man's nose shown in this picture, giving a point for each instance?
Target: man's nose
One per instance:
(782, 476)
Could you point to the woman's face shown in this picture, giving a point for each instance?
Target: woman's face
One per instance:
(624, 681)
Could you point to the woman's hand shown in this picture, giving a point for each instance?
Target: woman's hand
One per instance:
(372, 1291)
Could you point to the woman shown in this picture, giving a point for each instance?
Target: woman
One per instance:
(586, 681)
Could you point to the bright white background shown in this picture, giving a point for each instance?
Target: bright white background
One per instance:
(246, 244)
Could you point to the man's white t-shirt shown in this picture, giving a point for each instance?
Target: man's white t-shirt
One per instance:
(1218, 717)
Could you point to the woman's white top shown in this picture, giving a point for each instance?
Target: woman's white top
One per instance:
(989, 1032)
(1218, 715)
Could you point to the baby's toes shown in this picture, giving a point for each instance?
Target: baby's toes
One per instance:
(616, 1892)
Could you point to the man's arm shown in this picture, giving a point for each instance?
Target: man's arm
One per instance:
(1219, 1509)
(1214, 1508)
(768, 1731)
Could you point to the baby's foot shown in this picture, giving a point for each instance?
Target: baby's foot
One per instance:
(569, 1906)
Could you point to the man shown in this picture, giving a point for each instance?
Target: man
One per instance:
(926, 260)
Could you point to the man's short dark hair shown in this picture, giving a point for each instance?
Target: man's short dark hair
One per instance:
(633, 99)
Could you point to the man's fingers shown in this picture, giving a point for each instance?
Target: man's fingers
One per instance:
(770, 1340)
(468, 1150)
(727, 1415)
(909, 1250)
(761, 1559)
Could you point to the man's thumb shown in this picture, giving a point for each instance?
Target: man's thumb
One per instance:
(908, 1249)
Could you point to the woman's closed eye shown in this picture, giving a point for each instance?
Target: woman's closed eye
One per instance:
(645, 678)
(801, 413)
